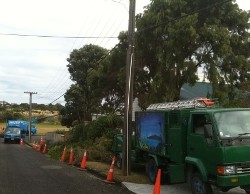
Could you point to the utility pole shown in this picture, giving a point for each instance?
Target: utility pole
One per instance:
(127, 131)
(30, 113)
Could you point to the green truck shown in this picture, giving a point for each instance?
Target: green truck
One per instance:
(193, 141)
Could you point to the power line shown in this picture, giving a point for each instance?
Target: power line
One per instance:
(51, 36)
(57, 98)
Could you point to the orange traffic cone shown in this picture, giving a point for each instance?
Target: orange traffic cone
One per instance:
(21, 141)
(84, 160)
(44, 149)
(71, 156)
(63, 154)
(111, 172)
(157, 187)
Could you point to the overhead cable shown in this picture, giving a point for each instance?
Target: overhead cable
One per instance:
(51, 36)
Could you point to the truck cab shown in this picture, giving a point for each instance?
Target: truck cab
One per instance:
(12, 134)
(218, 146)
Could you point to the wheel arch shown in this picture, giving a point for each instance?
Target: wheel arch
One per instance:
(195, 164)
(149, 157)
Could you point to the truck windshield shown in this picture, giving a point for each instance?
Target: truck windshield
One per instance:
(233, 123)
(12, 130)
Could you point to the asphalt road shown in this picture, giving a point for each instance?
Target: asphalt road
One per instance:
(26, 171)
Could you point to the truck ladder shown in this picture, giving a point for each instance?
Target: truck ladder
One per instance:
(182, 104)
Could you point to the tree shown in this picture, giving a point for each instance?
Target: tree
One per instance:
(112, 76)
(172, 44)
(84, 96)
(74, 109)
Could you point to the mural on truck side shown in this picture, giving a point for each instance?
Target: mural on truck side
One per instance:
(150, 131)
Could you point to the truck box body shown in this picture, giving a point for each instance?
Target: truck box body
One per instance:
(162, 133)
(24, 126)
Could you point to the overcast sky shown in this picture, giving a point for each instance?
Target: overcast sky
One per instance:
(35, 64)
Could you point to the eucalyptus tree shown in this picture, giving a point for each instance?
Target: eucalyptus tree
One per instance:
(176, 38)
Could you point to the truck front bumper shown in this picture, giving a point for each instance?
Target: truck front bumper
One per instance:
(233, 180)
(12, 138)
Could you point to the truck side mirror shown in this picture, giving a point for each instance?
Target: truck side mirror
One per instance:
(208, 130)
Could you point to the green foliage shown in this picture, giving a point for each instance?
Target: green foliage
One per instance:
(78, 133)
(83, 97)
(9, 115)
(96, 136)
(15, 111)
(112, 76)
(73, 110)
(171, 44)
(105, 126)
(101, 149)
(55, 151)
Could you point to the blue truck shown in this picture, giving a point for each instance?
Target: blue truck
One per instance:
(16, 129)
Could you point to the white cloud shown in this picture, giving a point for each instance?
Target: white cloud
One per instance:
(243, 4)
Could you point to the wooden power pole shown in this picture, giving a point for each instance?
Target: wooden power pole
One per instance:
(127, 131)
(30, 113)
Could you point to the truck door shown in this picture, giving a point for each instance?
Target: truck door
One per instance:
(203, 151)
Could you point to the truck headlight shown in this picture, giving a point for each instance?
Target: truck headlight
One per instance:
(226, 170)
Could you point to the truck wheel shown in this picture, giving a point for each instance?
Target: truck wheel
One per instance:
(152, 170)
(198, 186)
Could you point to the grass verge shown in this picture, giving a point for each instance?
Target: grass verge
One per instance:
(136, 176)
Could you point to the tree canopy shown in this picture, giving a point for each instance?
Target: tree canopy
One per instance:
(175, 38)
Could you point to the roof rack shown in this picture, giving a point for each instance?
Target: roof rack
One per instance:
(182, 104)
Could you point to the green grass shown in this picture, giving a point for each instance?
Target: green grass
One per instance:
(49, 125)
(43, 128)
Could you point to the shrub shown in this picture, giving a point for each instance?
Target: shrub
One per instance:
(99, 150)
(96, 137)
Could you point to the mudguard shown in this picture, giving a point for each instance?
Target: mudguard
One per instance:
(199, 165)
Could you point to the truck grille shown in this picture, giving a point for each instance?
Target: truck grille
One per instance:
(243, 168)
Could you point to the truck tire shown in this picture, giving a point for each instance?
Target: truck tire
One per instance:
(198, 186)
(152, 170)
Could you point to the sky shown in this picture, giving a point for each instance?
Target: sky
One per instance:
(39, 64)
